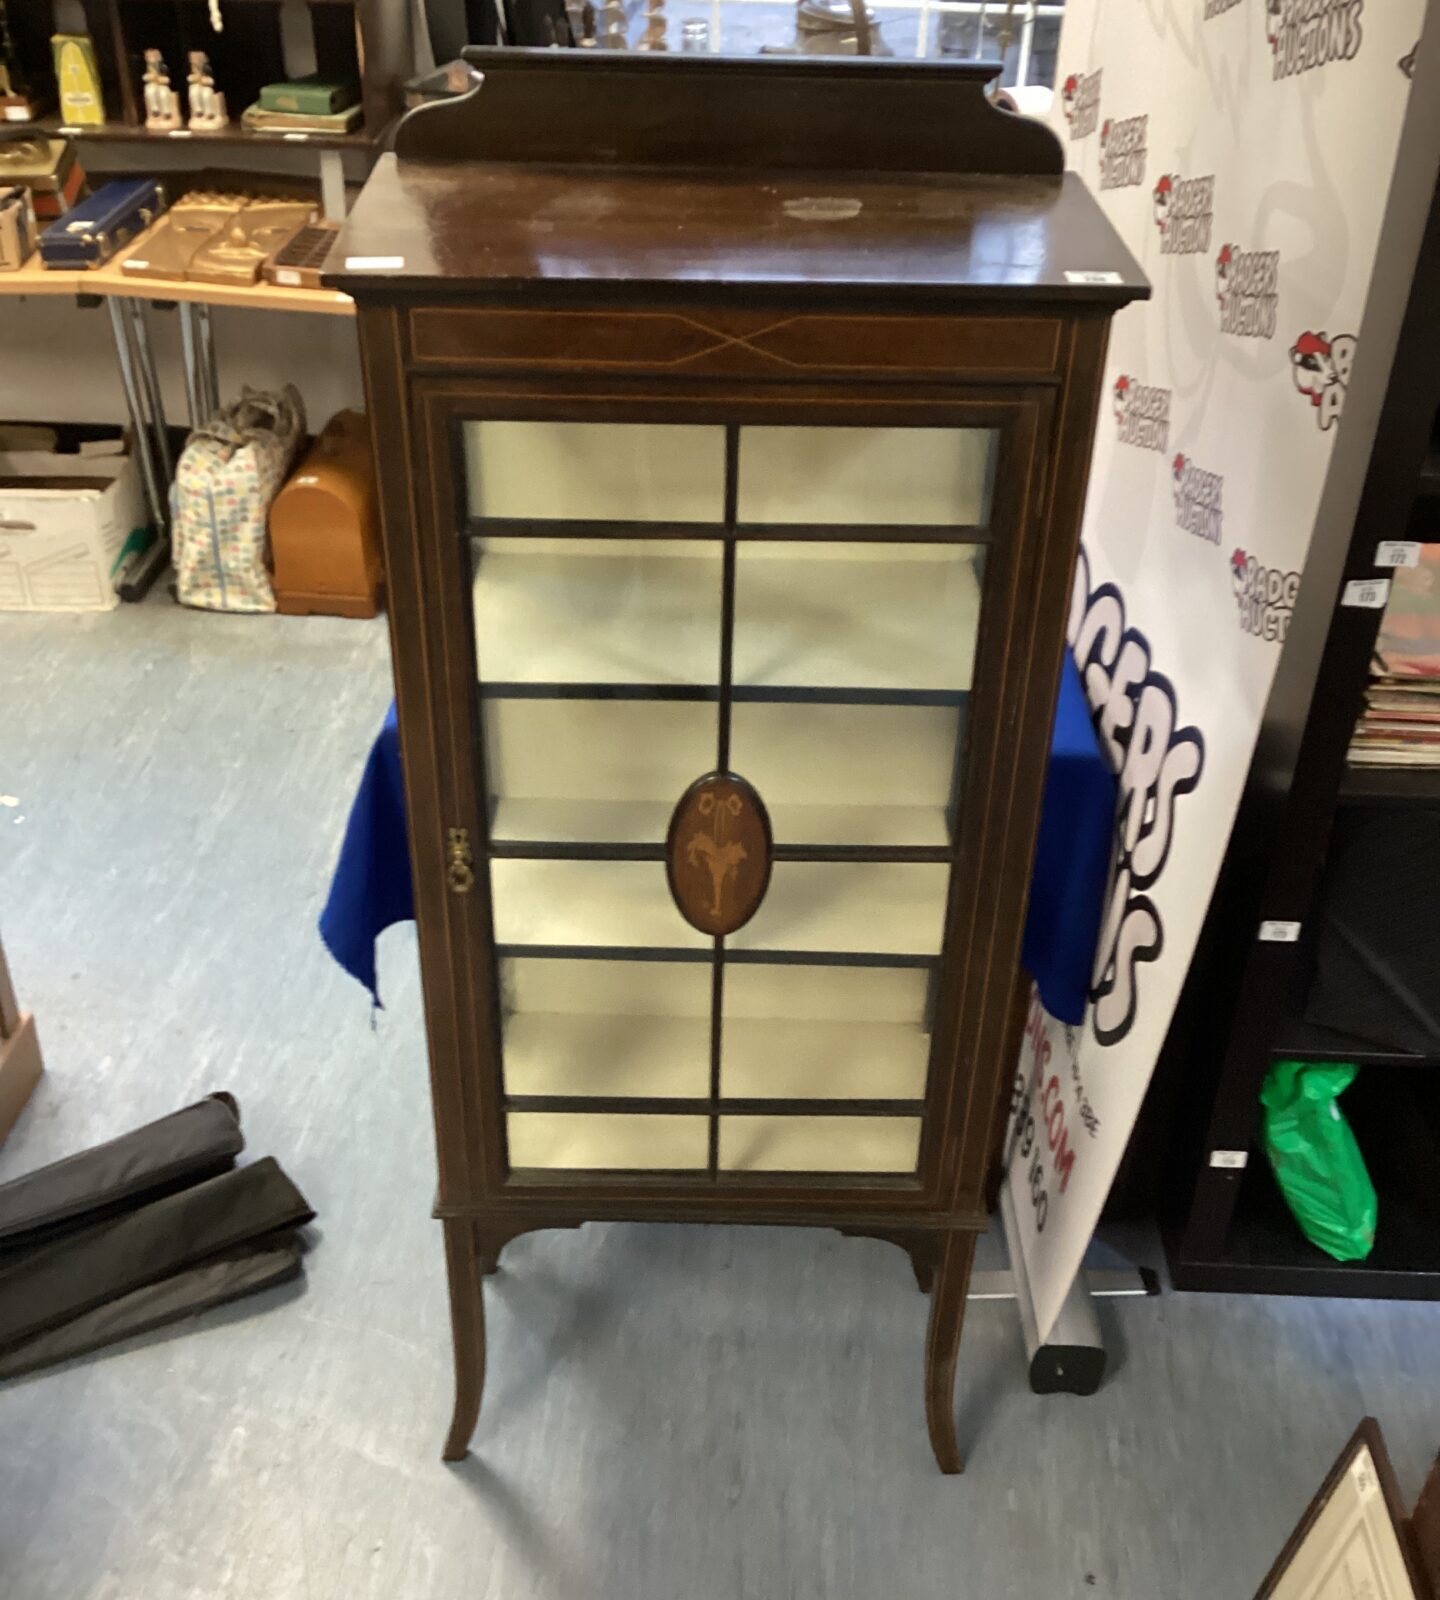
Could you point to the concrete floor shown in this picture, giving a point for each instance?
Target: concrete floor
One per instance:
(671, 1412)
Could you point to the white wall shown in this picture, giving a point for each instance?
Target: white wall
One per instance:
(57, 362)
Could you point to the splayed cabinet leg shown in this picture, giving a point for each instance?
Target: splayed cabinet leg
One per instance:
(942, 1345)
(467, 1322)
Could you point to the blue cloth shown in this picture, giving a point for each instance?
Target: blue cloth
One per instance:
(372, 889)
(1072, 857)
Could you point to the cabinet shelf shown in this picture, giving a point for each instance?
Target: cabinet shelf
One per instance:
(543, 827)
(861, 911)
(608, 1141)
(581, 1056)
(823, 627)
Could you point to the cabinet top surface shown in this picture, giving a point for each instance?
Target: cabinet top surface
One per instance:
(437, 229)
(660, 178)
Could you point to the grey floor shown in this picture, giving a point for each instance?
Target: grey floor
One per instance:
(670, 1412)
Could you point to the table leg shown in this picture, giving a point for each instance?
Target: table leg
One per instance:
(209, 377)
(151, 380)
(139, 423)
(142, 571)
(189, 345)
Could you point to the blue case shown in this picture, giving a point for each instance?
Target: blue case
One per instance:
(90, 234)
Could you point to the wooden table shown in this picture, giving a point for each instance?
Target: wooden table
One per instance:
(125, 296)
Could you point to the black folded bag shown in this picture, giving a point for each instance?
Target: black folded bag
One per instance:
(196, 1289)
(178, 1150)
(46, 1284)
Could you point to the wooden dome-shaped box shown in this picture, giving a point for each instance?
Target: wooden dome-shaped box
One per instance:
(325, 529)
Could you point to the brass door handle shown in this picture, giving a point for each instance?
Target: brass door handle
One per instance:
(460, 862)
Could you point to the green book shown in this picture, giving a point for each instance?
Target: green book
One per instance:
(313, 96)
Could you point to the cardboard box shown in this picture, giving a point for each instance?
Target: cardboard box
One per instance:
(64, 525)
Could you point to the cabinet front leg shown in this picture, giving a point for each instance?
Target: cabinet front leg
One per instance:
(467, 1324)
(942, 1346)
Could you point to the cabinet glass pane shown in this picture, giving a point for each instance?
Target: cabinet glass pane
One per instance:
(900, 477)
(819, 1144)
(595, 471)
(597, 611)
(880, 908)
(591, 771)
(600, 1140)
(587, 904)
(824, 1033)
(633, 1028)
(850, 774)
(885, 618)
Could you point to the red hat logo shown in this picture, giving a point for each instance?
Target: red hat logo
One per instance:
(1105, 130)
(1273, 10)
(1068, 93)
(1178, 467)
(1320, 366)
(1164, 199)
(1239, 567)
(1312, 365)
(1223, 263)
(1122, 397)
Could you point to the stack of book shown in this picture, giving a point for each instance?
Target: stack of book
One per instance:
(1400, 725)
(305, 106)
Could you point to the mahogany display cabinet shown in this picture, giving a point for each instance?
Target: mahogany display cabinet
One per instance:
(733, 420)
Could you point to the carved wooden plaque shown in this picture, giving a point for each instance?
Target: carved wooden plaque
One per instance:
(717, 853)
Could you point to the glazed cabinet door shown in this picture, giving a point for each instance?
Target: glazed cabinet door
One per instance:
(718, 772)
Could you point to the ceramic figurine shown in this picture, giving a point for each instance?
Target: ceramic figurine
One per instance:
(587, 26)
(614, 18)
(15, 105)
(655, 26)
(162, 104)
(207, 104)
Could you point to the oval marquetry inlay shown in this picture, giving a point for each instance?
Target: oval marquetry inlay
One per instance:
(717, 853)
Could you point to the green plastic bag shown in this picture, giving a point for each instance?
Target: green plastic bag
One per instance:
(1317, 1162)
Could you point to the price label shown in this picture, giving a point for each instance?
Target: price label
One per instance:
(1230, 1160)
(180, 133)
(375, 263)
(16, 114)
(288, 277)
(1279, 932)
(1093, 277)
(295, 138)
(1397, 553)
(1369, 593)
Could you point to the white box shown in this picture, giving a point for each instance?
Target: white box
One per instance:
(60, 543)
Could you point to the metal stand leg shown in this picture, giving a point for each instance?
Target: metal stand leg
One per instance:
(146, 567)
(189, 344)
(151, 380)
(332, 185)
(209, 378)
(1072, 1359)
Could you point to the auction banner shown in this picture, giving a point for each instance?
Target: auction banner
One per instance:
(1243, 149)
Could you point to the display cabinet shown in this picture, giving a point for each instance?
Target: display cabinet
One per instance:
(730, 502)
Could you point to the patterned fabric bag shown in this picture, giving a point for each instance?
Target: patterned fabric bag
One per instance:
(228, 474)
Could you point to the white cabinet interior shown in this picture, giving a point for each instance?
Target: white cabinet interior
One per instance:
(832, 672)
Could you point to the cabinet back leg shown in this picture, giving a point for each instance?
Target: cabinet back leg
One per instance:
(942, 1346)
(467, 1324)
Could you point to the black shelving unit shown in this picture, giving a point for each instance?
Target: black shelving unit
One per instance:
(367, 40)
(1243, 1004)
